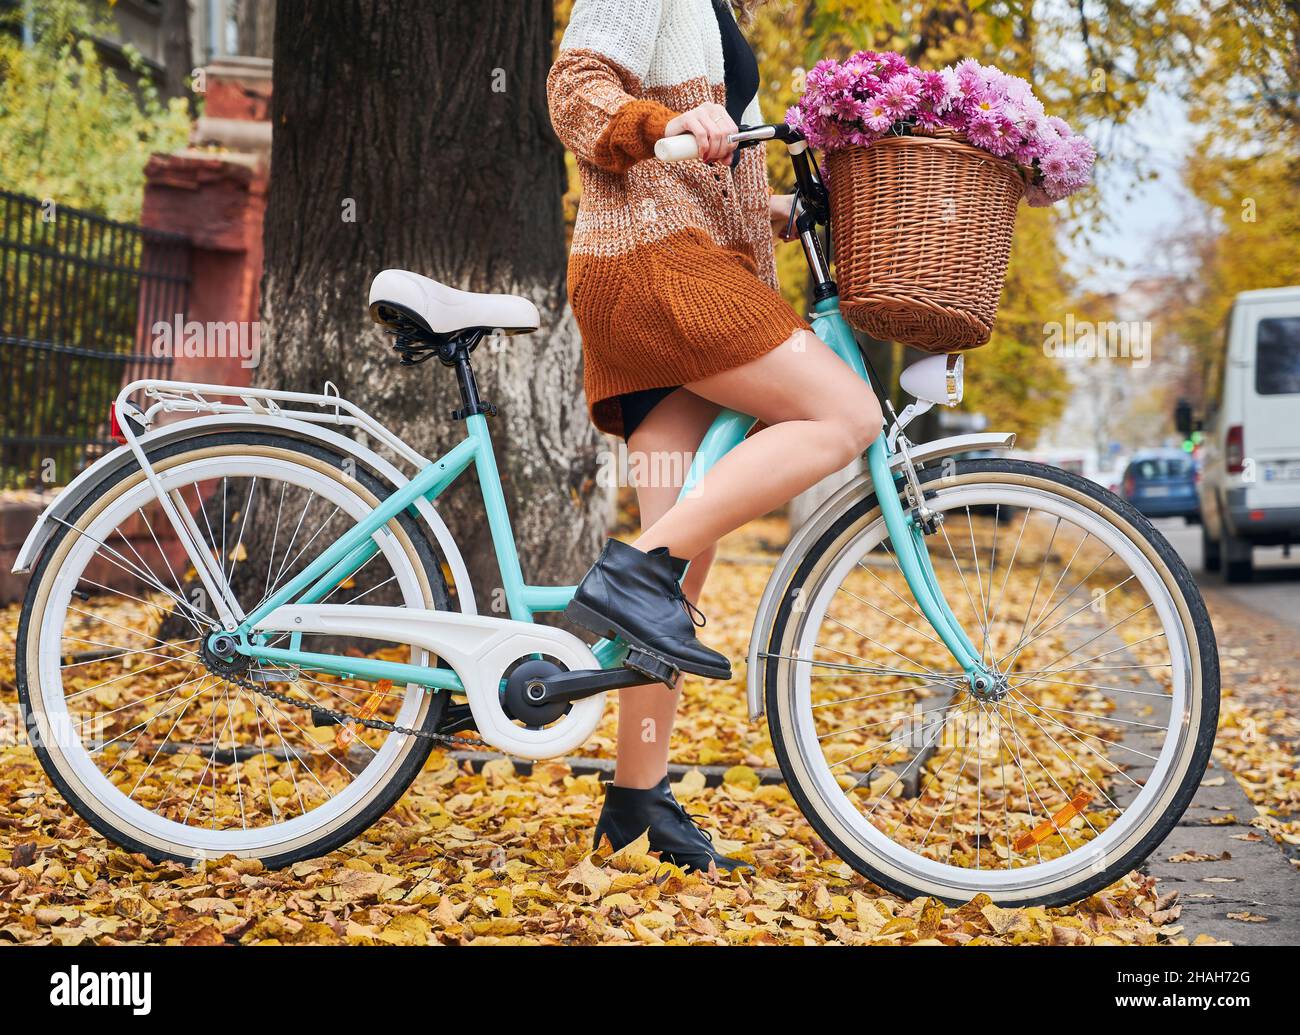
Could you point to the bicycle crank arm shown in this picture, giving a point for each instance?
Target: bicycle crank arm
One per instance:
(574, 686)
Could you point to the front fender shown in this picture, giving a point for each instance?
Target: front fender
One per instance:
(822, 519)
(67, 500)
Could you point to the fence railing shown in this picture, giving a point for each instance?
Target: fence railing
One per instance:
(79, 295)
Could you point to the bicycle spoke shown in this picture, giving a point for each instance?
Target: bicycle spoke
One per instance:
(186, 742)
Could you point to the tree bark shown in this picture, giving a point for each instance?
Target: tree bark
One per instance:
(416, 135)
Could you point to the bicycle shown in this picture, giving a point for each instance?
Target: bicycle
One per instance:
(1023, 707)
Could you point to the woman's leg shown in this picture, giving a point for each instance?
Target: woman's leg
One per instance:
(659, 451)
(819, 417)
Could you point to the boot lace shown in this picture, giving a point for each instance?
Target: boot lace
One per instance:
(696, 615)
(694, 818)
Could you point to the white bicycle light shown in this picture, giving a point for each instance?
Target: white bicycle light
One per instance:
(936, 379)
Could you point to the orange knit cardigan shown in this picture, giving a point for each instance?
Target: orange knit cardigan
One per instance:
(671, 273)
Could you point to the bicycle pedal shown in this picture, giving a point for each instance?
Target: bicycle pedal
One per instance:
(651, 666)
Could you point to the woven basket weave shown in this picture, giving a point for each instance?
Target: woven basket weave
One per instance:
(922, 233)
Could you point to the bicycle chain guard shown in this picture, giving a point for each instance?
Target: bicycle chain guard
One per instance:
(480, 649)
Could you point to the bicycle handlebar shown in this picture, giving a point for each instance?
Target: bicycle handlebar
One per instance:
(683, 148)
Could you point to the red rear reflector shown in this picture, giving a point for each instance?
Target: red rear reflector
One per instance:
(114, 428)
(1256, 515)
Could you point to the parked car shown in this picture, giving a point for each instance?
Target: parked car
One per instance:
(1162, 483)
(1250, 478)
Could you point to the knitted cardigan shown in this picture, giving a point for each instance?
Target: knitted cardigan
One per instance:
(663, 255)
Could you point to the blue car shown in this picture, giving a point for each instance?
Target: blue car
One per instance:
(1162, 483)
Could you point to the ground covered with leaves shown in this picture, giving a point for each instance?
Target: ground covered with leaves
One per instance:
(489, 855)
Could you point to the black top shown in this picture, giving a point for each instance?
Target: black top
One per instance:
(740, 67)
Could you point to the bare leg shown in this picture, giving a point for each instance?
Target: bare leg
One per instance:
(660, 449)
(820, 415)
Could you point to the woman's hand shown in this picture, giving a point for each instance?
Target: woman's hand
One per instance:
(778, 208)
(709, 124)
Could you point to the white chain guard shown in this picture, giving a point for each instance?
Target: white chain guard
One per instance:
(479, 649)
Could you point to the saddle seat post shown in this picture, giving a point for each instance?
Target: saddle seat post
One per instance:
(454, 352)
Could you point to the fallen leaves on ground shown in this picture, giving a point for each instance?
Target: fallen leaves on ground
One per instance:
(519, 868)
(499, 856)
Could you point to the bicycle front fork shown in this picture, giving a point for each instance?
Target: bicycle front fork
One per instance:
(906, 534)
(907, 538)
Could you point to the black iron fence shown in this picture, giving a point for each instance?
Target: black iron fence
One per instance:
(79, 295)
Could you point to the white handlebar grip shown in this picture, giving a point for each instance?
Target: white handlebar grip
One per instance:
(681, 148)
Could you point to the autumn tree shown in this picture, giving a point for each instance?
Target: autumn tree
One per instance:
(416, 135)
(71, 129)
(1244, 94)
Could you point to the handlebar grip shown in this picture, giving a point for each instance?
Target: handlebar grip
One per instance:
(681, 148)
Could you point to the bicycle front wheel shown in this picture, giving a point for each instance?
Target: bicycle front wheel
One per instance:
(1098, 733)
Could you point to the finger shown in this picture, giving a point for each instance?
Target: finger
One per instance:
(712, 153)
(699, 127)
(715, 139)
(718, 134)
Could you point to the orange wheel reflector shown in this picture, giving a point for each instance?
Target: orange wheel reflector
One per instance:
(1043, 831)
(348, 733)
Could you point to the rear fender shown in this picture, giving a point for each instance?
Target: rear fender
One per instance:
(80, 487)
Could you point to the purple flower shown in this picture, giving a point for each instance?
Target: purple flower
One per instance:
(981, 130)
(877, 117)
(1056, 163)
(1060, 125)
(855, 102)
(900, 95)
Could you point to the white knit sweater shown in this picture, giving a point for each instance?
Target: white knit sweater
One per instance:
(663, 43)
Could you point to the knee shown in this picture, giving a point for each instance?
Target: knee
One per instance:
(857, 422)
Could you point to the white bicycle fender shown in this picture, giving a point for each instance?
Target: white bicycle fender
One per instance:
(479, 649)
(77, 489)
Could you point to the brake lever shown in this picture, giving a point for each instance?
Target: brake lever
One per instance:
(796, 210)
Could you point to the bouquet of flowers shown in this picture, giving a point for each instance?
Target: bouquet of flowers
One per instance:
(871, 95)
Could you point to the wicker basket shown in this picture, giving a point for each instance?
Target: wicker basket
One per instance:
(922, 233)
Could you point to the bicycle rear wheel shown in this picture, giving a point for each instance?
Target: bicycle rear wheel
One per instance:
(1105, 714)
(158, 748)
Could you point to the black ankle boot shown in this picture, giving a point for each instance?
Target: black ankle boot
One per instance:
(638, 596)
(629, 812)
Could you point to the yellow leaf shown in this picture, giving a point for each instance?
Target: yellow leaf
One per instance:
(589, 876)
(741, 776)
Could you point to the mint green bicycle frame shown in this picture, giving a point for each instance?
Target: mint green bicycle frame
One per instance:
(358, 545)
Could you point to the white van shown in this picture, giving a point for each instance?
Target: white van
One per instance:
(1250, 477)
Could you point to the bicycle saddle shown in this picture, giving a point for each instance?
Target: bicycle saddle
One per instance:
(442, 310)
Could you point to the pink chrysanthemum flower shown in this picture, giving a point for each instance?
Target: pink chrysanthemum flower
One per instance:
(1056, 163)
(877, 117)
(899, 96)
(855, 102)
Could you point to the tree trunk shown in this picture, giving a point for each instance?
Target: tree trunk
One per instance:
(416, 135)
(178, 52)
(255, 27)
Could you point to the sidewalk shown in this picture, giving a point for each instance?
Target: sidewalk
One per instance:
(1234, 876)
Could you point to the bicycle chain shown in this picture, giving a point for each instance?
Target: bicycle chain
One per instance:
(345, 718)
